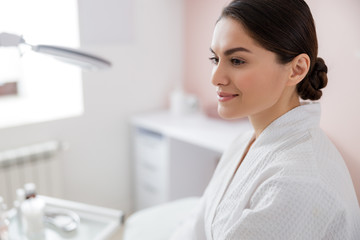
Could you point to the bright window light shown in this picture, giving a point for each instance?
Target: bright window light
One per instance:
(48, 89)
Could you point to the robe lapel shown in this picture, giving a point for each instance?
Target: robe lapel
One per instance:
(224, 180)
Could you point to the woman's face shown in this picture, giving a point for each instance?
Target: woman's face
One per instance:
(248, 78)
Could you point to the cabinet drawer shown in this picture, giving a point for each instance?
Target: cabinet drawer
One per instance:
(150, 151)
(147, 138)
(149, 190)
(148, 196)
(156, 179)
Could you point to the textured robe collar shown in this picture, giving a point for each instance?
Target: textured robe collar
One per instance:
(299, 119)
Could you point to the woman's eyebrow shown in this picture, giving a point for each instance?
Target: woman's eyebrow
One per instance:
(233, 50)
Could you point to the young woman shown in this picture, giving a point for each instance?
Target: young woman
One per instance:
(284, 180)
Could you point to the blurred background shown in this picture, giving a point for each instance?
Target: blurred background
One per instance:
(155, 47)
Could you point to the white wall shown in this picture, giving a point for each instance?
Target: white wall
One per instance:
(145, 66)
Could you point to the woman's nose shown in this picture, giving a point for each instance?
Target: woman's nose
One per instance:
(218, 76)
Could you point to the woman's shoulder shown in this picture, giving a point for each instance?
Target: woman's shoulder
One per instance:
(313, 148)
(315, 157)
(318, 164)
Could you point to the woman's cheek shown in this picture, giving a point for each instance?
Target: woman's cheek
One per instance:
(245, 82)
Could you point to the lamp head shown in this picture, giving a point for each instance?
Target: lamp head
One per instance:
(69, 55)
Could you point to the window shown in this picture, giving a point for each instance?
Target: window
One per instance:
(34, 87)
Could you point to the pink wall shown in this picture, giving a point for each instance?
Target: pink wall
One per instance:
(338, 26)
(200, 18)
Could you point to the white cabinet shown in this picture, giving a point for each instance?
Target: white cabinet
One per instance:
(151, 164)
(175, 156)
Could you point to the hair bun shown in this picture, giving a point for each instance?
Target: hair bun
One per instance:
(310, 87)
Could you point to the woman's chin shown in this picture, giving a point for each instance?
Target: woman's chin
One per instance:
(229, 115)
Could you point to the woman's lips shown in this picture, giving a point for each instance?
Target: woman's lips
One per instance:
(224, 97)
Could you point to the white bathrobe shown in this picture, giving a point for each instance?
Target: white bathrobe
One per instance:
(292, 184)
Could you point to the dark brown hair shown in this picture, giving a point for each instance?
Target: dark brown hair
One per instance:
(285, 27)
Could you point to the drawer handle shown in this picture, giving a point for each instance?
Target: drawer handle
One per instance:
(147, 132)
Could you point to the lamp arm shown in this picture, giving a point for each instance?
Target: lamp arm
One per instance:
(73, 56)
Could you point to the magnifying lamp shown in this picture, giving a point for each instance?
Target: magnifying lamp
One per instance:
(69, 55)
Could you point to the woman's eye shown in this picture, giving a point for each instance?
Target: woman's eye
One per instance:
(236, 61)
(214, 60)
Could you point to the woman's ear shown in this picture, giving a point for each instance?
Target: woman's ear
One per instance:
(299, 67)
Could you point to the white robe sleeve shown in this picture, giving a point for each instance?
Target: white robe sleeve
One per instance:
(289, 208)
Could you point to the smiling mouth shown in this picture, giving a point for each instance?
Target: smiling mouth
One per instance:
(223, 97)
(227, 95)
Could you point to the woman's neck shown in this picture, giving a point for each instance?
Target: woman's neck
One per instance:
(263, 119)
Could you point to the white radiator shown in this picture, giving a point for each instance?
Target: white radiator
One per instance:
(39, 163)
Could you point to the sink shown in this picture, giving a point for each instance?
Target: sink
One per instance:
(96, 223)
